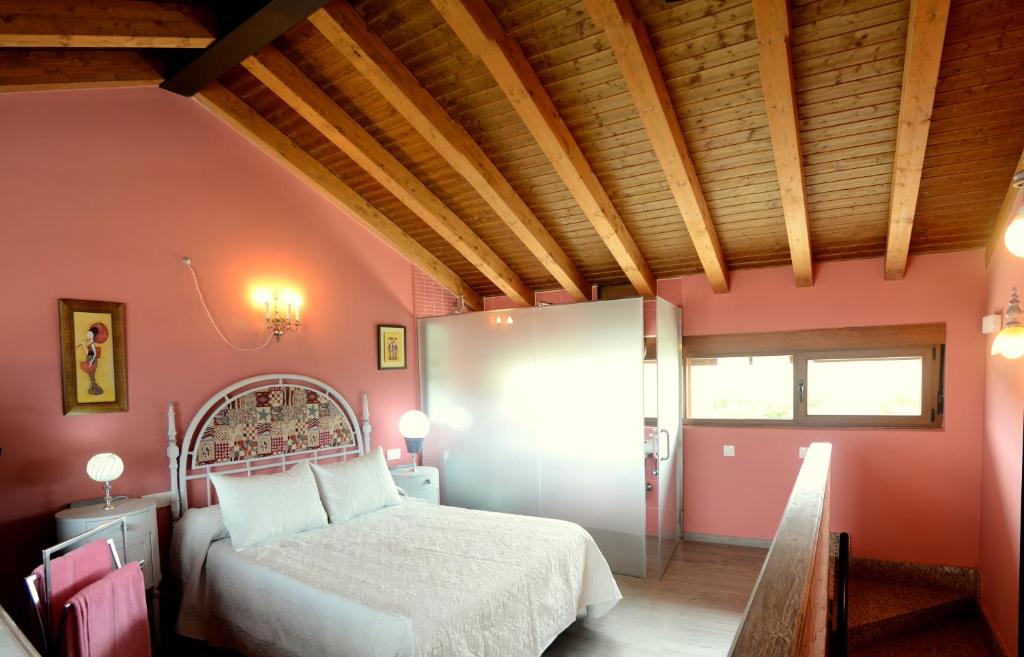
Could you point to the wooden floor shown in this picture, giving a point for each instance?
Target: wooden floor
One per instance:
(692, 611)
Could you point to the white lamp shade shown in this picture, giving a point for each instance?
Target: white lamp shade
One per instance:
(104, 467)
(1009, 343)
(414, 424)
(1014, 235)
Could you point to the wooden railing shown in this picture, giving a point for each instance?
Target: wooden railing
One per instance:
(787, 615)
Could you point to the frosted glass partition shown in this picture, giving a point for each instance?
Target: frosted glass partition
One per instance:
(477, 387)
(668, 320)
(543, 417)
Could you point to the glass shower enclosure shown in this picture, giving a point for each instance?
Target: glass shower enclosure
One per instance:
(539, 411)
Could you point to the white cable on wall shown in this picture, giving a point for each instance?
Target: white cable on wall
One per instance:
(187, 261)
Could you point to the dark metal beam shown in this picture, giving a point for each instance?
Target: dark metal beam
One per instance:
(271, 21)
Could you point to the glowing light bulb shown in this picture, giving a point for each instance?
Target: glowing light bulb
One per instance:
(1009, 343)
(1014, 235)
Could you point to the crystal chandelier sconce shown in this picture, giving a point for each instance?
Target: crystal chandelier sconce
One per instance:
(278, 323)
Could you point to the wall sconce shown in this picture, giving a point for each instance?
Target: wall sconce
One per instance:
(1009, 342)
(277, 324)
(1013, 237)
(507, 322)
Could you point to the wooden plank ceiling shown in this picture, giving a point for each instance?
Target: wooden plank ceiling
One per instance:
(547, 144)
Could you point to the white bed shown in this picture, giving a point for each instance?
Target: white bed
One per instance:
(412, 580)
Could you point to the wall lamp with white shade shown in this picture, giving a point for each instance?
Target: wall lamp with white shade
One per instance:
(1013, 237)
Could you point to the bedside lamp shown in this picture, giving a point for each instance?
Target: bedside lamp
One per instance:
(105, 468)
(414, 427)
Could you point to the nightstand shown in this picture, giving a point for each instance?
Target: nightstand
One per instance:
(143, 543)
(424, 482)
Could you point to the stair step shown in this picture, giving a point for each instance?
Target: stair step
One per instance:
(962, 638)
(883, 611)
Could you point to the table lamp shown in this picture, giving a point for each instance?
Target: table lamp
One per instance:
(414, 426)
(105, 468)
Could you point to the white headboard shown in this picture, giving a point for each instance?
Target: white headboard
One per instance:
(266, 422)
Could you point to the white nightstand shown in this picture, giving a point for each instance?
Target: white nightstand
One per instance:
(424, 482)
(143, 542)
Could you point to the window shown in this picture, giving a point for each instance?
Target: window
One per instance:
(742, 388)
(870, 377)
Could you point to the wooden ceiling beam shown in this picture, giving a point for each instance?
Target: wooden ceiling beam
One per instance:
(114, 24)
(277, 145)
(41, 69)
(303, 95)
(1003, 217)
(926, 32)
(258, 30)
(776, 66)
(475, 25)
(345, 29)
(632, 47)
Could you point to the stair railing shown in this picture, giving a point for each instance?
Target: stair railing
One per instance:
(841, 630)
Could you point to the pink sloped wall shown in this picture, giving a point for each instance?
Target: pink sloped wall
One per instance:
(999, 548)
(903, 494)
(101, 193)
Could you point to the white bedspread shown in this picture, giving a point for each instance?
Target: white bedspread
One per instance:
(413, 580)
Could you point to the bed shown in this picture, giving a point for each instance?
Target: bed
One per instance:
(409, 580)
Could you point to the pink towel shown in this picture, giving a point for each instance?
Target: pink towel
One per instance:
(72, 572)
(109, 618)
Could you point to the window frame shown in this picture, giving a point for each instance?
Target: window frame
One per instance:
(919, 340)
(737, 422)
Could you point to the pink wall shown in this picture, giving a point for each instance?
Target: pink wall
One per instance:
(101, 193)
(907, 495)
(999, 546)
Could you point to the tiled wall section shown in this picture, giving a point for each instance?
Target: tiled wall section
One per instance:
(430, 298)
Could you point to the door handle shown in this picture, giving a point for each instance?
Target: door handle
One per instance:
(663, 456)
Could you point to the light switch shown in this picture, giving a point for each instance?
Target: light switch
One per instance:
(394, 454)
(803, 452)
(728, 450)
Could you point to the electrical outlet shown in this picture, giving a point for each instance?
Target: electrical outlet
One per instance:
(394, 454)
(728, 450)
(803, 452)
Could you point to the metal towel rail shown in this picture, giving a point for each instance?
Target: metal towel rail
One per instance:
(42, 606)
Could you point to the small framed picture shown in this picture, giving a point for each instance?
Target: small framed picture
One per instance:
(92, 356)
(390, 347)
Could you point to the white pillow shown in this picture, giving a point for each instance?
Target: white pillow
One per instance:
(352, 488)
(261, 507)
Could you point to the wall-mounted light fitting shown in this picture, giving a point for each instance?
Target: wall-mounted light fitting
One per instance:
(278, 324)
(508, 321)
(1009, 342)
(1014, 235)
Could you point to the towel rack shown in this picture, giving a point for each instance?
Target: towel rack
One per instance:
(42, 606)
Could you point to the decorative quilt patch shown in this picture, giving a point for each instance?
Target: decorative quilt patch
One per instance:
(278, 420)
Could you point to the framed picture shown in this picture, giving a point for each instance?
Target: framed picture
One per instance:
(92, 356)
(390, 347)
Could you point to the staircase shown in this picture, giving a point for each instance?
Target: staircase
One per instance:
(890, 616)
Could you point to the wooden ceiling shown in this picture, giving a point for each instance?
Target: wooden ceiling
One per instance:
(509, 146)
